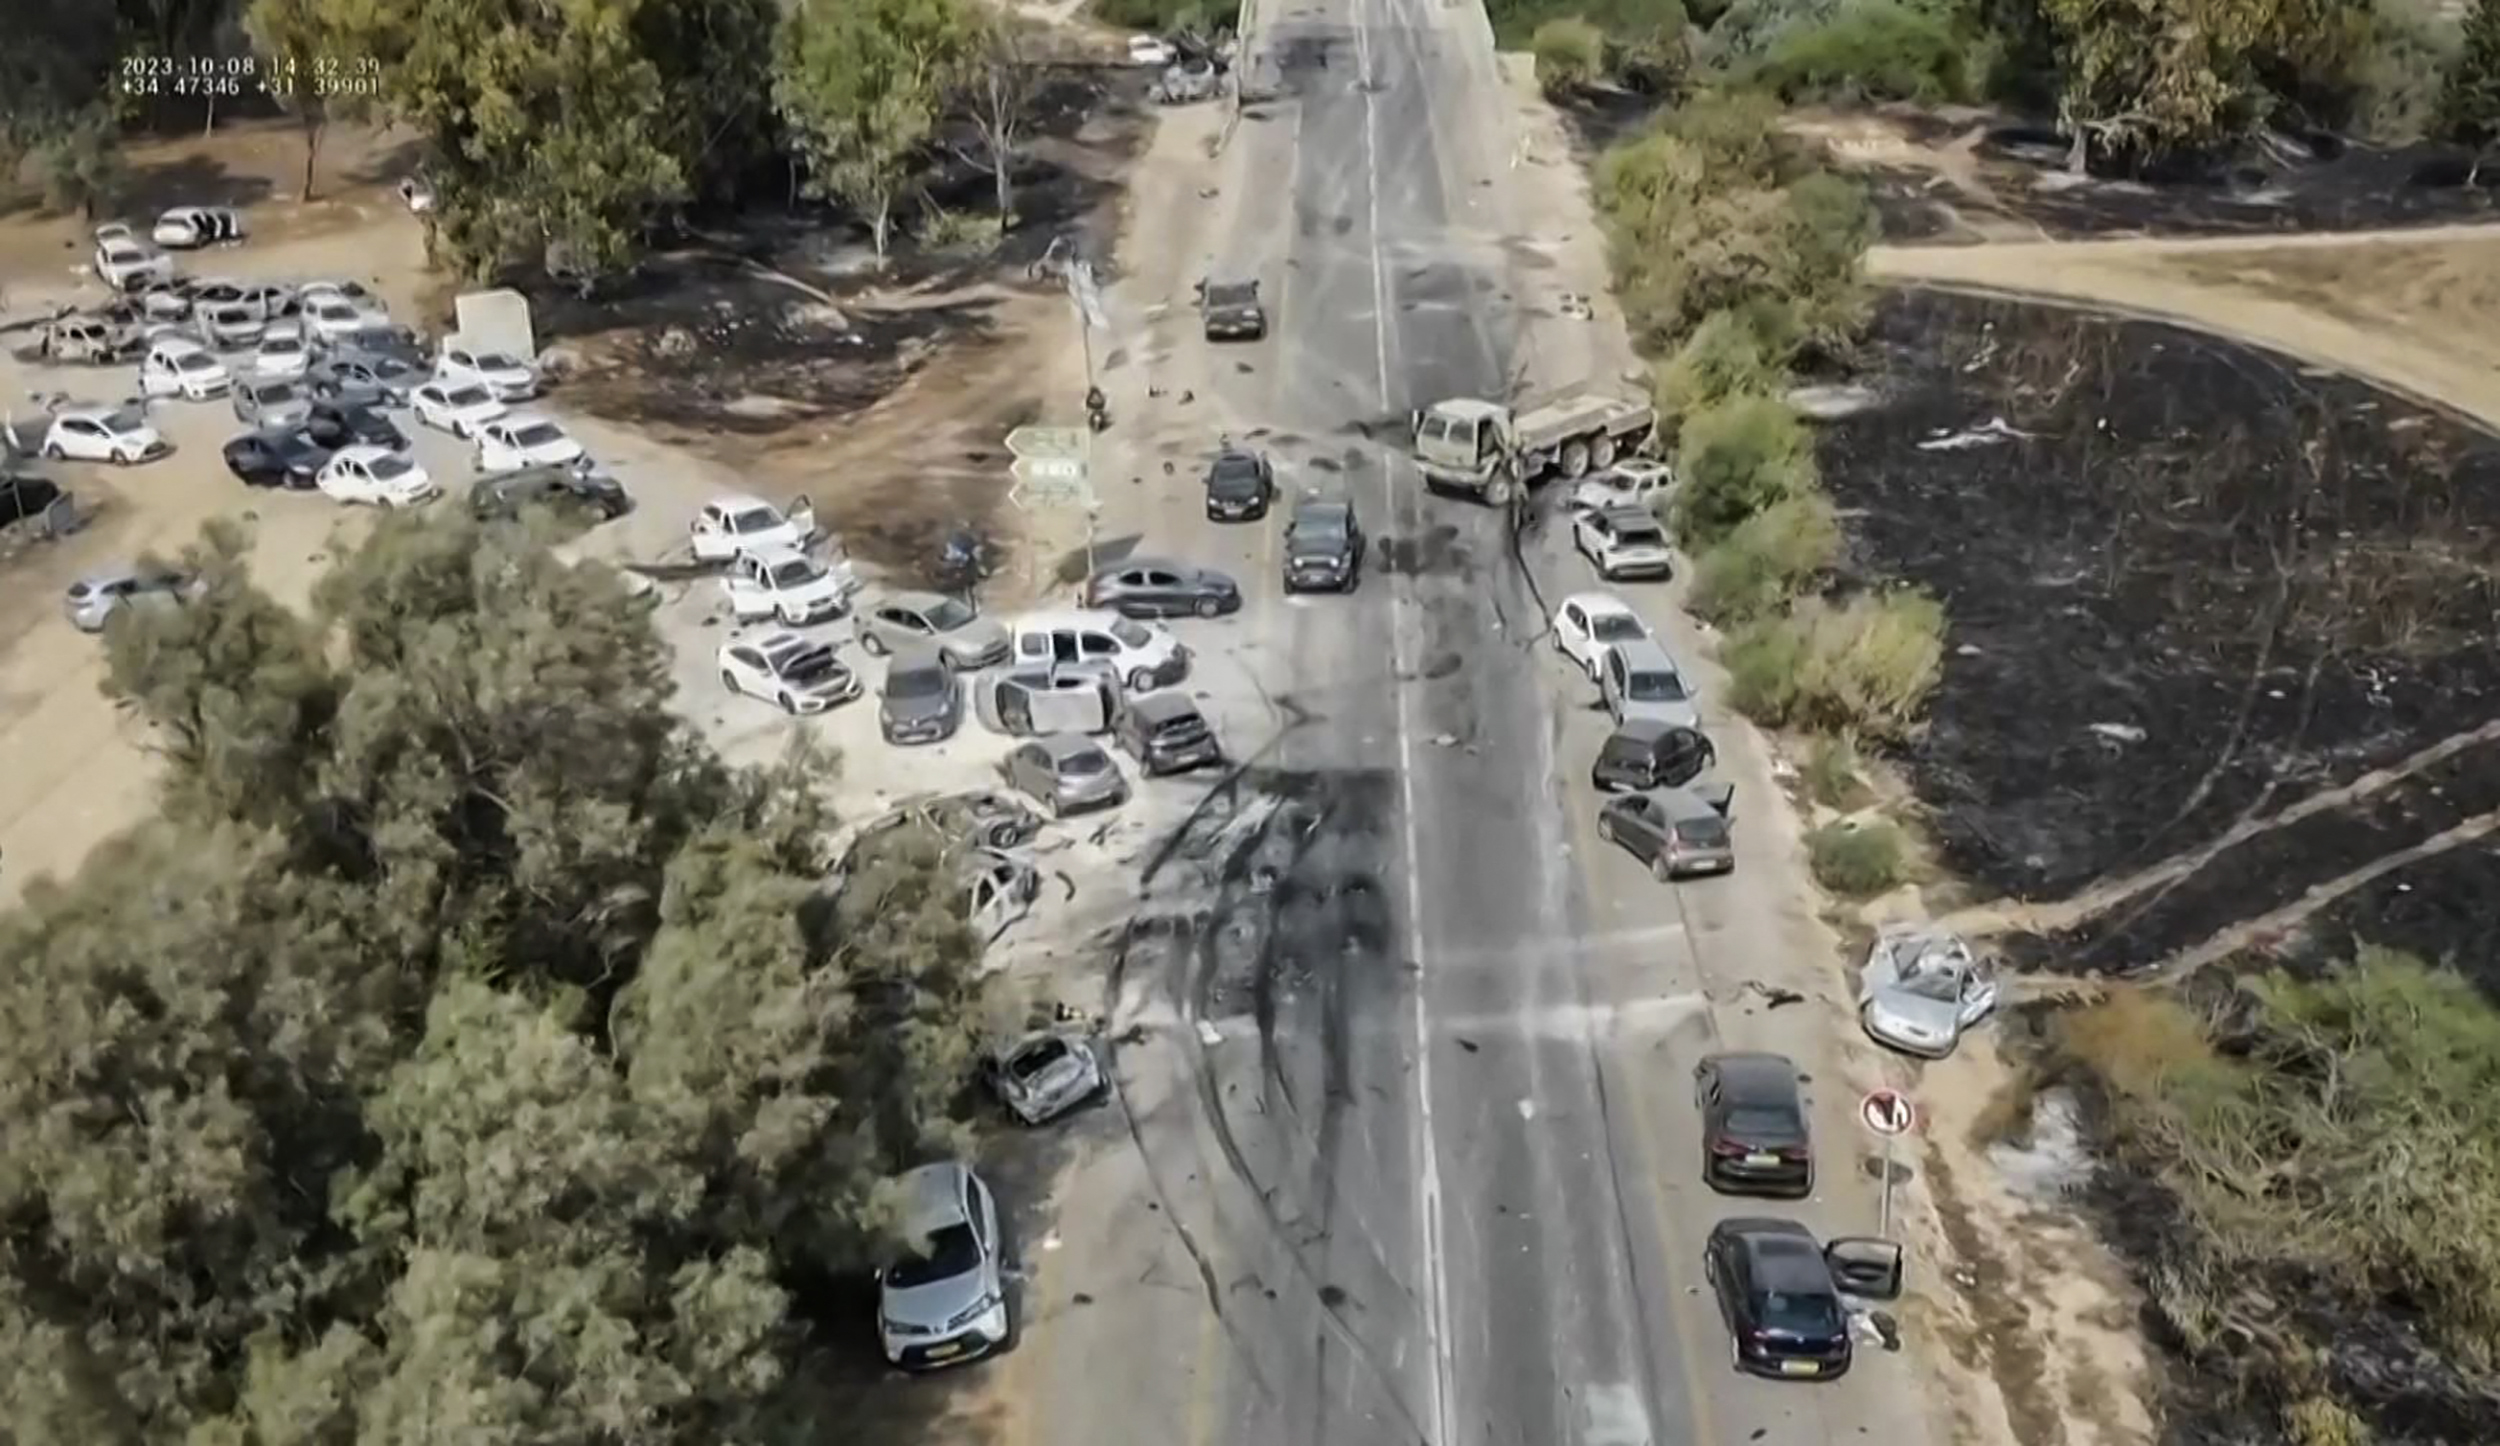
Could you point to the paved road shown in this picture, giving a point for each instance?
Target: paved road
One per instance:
(1404, 1147)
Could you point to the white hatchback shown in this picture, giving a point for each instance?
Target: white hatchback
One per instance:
(103, 434)
(176, 367)
(370, 474)
(459, 408)
(737, 525)
(1589, 623)
(525, 439)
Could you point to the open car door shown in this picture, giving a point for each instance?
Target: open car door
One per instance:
(1979, 993)
(1865, 1267)
(748, 598)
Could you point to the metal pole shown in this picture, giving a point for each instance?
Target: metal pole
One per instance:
(1883, 1227)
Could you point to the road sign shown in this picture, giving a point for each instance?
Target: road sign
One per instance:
(1064, 443)
(1888, 1112)
(1048, 480)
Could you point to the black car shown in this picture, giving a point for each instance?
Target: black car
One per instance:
(1779, 1298)
(1240, 487)
(559, 488)
(288, 458)
(1166, 733)
(1754, 1134)
(345, 424)
(1323, 547)
(1231, 310)
(1648, 753)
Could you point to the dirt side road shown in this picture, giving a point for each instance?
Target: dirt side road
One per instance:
(2415, 311)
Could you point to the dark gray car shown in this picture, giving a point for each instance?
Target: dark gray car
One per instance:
(1648, 753)
(1240, 486)
(557, 488)
(1155, 587)
(899, 620)
(1068, 772)
(1232, 311)
(366, 377)
(1754, 1134)
(922, 702)
(1323, 547)
(1166, 733)
(1675, 831)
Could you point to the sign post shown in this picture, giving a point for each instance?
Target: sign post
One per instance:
(1054, 465)
(1889, 1113)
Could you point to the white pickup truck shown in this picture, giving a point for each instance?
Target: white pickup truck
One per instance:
(1491, 450)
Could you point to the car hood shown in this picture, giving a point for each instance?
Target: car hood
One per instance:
(1090, 785)
(1068, 1079)
(920, 709)
(1919, 1015)
(1686, 714)
(1318, 554)
(979, 637)
(936, 1303)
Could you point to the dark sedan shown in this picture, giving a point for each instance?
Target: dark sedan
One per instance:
(1240, 487)
(289, 459)
(1145, 587)
(1777, 1294)
(1231, 311)
(557, 488)
(1323, 547)
(335, 425)
(1753, 1124)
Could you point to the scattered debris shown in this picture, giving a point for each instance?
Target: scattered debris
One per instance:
(2050, 1161)
(1986, 434)
(2119, 732)
(1773, 996)
(1575, 307)
(1468, 1045)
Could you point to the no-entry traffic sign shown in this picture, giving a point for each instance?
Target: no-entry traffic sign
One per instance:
(1888, 1112)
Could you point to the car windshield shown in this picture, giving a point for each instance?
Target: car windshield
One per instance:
(795, 572)
(1657, 687)
(1036, 1057)
(1082, 765)
(755, 519)
(949, 1252)
(1231, 294)
(1761, 1124)
(334, 310)
(1181, 729)
(275, 392)
(1234, 474)
(1932, 984)
(947, 615)
(495, 361)
(467, 397)
(195, 361)
(1319, 529)
(387, 468)
(125, 421)
(281, 345)
(1703, 833)
(917, 683)
(1636, 535)
(1130, 634)
(538, 434)
(1800, 1314)
(1616, 628)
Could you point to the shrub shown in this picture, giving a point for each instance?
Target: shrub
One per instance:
(1831, 774)
(82, 162)
(1736, 458)
(1856, 859)
(1747, 29)
(1815, 260)
(1163, 17)
(2469, 102)
(957, 231)
(1867, 50)
(1865, 665)
(2324, 1421)
(1768, 559)
(1743, 350)
(2403, 63)
(1570, 55)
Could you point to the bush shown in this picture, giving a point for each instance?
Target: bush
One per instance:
(1570, 55)
(2403, 64)
(1738, 457)
(1744, 350)
(1769, 559)
(2324, 1421)
(1867, 50)
(1866, 665)
(957, 231)
(1860, 860)
(82, 163)
(1747, 29)
(1162, 17)
(1815, 261)
(1831, 774)
(2469, 101)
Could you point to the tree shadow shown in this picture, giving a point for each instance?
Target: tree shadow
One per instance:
(192, 180)
(388, 165)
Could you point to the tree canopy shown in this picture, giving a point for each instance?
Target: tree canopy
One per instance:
(467, 1055)
(863, 85)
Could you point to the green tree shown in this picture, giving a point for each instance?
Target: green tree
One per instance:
(81, 158)
(297, 38)
(2144, 77)
(2469, 105)
(994, 87)
(862, 85)
(1738, 457)
(1570, 55)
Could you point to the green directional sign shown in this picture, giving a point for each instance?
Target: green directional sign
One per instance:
(1049, 443)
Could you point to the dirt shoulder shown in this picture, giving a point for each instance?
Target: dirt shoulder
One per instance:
(2416, 312)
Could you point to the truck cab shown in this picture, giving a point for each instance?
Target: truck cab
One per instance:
(1462, 443)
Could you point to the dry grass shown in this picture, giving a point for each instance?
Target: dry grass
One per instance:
(2446, 289)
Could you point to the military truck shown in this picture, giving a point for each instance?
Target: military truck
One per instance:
(1492, 451)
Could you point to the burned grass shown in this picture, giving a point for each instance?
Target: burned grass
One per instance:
(2186, 582)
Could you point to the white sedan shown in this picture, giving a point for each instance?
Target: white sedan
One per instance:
(123, 263)
(331, 317)
(1589, 623)
(1625, 484)
(798, 673)
(525, 439)
(366, 473)
(103, 434)
(788, 585)
(189, 226)
(283, 355)
(509, 378)
(455, 407)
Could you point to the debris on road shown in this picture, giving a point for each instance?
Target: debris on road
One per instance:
(2119, 732)
(1986, 434)
(1208, 1034)
(1773, 996)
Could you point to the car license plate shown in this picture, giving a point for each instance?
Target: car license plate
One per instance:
(1800, 1368)
(955, 1348)
(1762, 1162)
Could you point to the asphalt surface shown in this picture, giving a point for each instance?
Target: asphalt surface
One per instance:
(1404, 1148)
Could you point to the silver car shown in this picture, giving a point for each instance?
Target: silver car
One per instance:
(271, 404)
(93, 600)
(1639, 679)
(898, 620)
(1920, 988)
(921, 702)
(365, 377)
(945, 1301)
(1068, 772)
(1045, 1077)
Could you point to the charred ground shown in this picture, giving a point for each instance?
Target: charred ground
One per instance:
(2264, 583)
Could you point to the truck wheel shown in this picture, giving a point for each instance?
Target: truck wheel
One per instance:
(1602, 452)
(1575, 459)
(1498, 492)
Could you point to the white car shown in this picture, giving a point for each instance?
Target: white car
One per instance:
(103, 434)
(455, 407)
(231, 326)
(525, 439)
(354, 295)
(788, 585)
(799, 674)
(1623, 542)
(735, 525)
(509, 378)
(115, 231)
(1143, 656)
(332, 318)
(178, 367)
(1625, 484)
(187, 226)
(366, 473)
(1920, 988)
(125, 263)
(1589, 623)
(1148, 50)
(282, 354)
(416, 193)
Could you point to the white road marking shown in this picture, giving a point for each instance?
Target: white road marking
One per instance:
(1578, 1023)
(1613, 1416)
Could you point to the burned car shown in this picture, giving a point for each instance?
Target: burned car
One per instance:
(1231, 310)
(999, 889)
(978, 818)
(1045, 1076)
(1920, 988)
(1054, 697)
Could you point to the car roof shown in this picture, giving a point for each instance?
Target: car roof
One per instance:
(932, 1198)
(776, 556)
(1168, 564)
(1467, 408)
(1756, 1076)
(778, 640)
(1628, 514)
(917, 658)
(1322, 506)
(1645, 653)
(1067, 745)
(737, 501)
(364, 452)
(919, 602)
(1164, 707)
(1599, 602)
(1645, 730)
(90, 411)
(518, 420)
(1101, 618)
